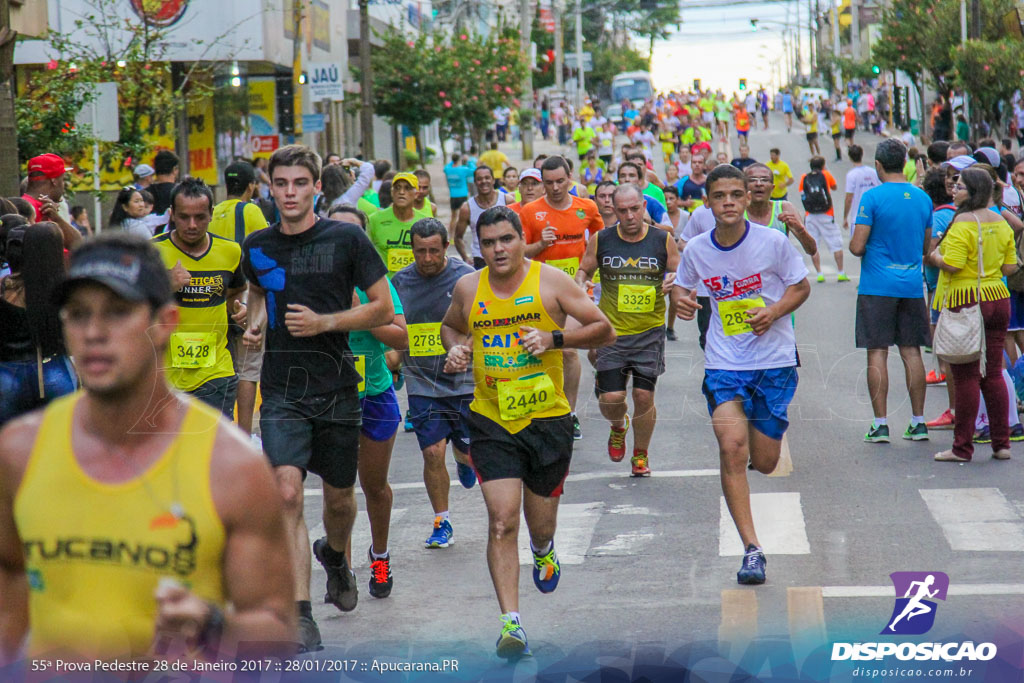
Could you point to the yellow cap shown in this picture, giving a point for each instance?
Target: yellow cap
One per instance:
(407, 177)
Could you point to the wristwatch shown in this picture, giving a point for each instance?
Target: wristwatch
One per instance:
(559, 340)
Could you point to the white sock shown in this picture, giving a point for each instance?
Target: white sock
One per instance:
(442, 515)
(916, 420)
(544, 551)
(842, 272)
(1012, 395)
(378, 556)
(880, 421)
(513, 616)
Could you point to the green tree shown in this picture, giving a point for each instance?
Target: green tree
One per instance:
(990, 71)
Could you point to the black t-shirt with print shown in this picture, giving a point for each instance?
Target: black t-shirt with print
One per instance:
(318, 268)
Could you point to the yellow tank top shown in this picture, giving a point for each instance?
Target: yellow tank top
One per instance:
(513, 387)
(95, 552)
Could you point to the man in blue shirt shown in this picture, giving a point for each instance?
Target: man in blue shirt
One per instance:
(892, 234)
(458, 176)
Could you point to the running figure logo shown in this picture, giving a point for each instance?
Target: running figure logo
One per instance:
(914, 613)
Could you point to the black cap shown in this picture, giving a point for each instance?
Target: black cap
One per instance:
(128, 265)
(240, 171)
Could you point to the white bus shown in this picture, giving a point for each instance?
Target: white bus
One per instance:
(635, 86)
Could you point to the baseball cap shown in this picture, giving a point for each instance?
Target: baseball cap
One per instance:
(48, 165)
(531, 173)
(241, 171)
(128, 265)
(988, 155)
(407, 177)
(143, 171)
(960, 162)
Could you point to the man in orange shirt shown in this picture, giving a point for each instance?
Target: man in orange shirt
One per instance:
(556, 228)
(816, 193)
(849, 121)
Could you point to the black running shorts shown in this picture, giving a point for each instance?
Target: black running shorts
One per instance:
(539, 455)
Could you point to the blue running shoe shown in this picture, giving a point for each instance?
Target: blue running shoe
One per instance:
(983, 435)
(442, 536)
(408, 423)
(467, 477)
(752, 571)
(546, 571)
(512, 641)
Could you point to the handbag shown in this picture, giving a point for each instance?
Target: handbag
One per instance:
(960, 335)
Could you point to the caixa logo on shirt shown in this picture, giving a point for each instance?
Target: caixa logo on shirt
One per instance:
(914, 613)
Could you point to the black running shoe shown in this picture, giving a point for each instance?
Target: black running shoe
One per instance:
(577, 433)
(670, 334)
(342, 591)
(381, 579)
(309, 635)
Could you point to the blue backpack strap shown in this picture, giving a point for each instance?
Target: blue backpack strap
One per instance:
(240, 222)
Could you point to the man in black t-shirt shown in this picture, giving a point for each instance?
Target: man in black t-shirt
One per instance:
(302, 273)
(167, 166)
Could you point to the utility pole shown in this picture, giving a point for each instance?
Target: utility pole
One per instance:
(812, 34)
(799, 39)
(580, 89)
(556, 11)
(9, 165)
(365, 81)
(963, 40)
(855, 29)
(297, 8)
(526, 126)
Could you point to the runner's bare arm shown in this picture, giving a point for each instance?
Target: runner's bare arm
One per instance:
(256, 316)
(394, 334)
(684, 302)
(671, 264)
(653, 179)
(791, 218)
(573, 302)
(259, 583)
(16, 440)
(859, 239)
(760, 319)
(302, 321)
(455, 334)
(588, 264)
(847, 205)
(461, 223)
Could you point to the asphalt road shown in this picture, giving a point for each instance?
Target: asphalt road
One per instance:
(648, 566)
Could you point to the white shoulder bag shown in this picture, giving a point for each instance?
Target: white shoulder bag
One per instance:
(960, 335)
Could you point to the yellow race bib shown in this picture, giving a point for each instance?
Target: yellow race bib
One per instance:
(637, 298)
(425, 339)
(520, 397)
(398, 259)
(193, 350)
(360, 362)
(569, 266)
(734, 314)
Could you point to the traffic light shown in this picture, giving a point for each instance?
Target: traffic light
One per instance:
(875, 70)
(743, 84)
(696, 84)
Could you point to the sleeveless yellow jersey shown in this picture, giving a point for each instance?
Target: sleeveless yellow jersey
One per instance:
(198, 349)
(95, 551)
(513, 386)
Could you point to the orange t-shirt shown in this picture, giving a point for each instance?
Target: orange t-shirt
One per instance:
(849, 117)
(742, 120)
(832, 185)
(573, 226)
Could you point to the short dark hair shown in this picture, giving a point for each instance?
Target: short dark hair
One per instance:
(629, 164)
(934, 184)
(428, 227)
(499, 214)
(165, 162)
(937, 151)
(671, 190)
(296, 155)
(891, 155)
(482, 167)
(605, 183)
(554, 163)
(352, 209)
(757, 164)
(855, 152)
(77, 211)
(381, 167)
(775, 150)
(422, 173)
(960, 144)
(147, 197)
(540, 157)
(817, 163)
(191, 187)
(1007, 143)
(238, 176)
(724, 172)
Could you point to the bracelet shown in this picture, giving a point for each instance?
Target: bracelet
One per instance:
(213, 629)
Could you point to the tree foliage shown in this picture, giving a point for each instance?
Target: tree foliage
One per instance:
(991, 71)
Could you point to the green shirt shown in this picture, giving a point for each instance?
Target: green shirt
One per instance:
(655, 192)
(391, 238)
(583, 137)
(372, 197)
(366, 207)
(362, 342)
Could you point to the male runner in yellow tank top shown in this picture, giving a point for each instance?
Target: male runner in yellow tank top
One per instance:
(506, 322)
(131, 515)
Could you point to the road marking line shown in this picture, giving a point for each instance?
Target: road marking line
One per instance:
(779, 520)
(739, 622)
(976, 519)
(954, 589)
(361, 534)
(784, 467)
(806, 620)
(576, 524)
(582, 476)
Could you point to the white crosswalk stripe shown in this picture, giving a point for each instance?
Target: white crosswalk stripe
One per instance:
(978, 519)
(779, 520)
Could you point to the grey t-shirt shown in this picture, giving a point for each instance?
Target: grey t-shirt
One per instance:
(426, 300)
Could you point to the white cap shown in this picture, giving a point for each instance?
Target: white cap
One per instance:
(531, 173)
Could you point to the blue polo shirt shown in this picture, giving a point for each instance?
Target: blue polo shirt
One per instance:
(899, 215)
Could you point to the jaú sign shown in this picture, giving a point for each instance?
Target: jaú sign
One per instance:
(160, 12)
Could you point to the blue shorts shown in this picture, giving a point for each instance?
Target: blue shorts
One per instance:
(934, 313)
(765, 395)
(435, 419)
(381, 416)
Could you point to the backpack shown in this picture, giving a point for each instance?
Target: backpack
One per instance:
(815, 195)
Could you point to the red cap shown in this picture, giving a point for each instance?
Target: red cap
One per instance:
(48, 165)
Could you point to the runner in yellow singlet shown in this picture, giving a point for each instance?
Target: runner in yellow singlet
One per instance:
(132, 515)
(506, 322)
